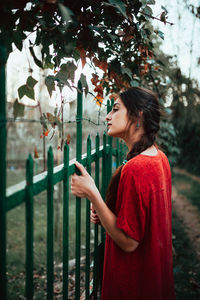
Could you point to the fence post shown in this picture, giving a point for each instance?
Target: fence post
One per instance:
(50, 222)
(96, 230)
(117, 154)
(87, 262)
(66, 222)
(29, 229)
(104, 179)
(3, 277)
(78, 200)
(110, 139)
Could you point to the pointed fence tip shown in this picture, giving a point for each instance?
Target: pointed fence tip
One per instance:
(30, 157)
(29, 161)
(80, 85)
(97, 139)
(50, 154)
(29, 168)
(66, 147)
(50, 150)
(104, 134)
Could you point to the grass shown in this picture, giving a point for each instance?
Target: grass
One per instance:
(187, 187)
(186, 264)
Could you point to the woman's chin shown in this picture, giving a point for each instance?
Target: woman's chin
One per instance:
(112, 134)
(109, 132)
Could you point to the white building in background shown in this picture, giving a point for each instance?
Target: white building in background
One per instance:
(182, 39)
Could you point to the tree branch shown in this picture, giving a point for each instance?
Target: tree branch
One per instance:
(155, 18)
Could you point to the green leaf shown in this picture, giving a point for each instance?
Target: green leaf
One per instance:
(145, 2)
(134, 83)
(18, 38)
(166, 11)
(31, 82)
(67, 71)
(120, 5)
(66, 14)
(161, 34)
(161, 101)
(71, 70)
(168, 110)
(22, 91)
(150, 2)
(113, 37)
(84, 83)
(25, 90)
(50, 84)
(18, 109)
(48, 66)
(127, 71)
(148, 11)
(30, 93)
(36, 60)
(43, 122)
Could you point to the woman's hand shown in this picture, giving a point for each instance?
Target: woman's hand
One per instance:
(83, 185)
(94, 217)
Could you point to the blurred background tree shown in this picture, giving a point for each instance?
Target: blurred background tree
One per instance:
(120, 38)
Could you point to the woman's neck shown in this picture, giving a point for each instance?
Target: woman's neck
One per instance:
(133, 138)
(151, 151)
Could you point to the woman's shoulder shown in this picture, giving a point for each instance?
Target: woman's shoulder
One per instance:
(141, 162)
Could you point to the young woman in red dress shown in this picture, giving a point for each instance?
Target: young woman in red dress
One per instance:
(137, 212)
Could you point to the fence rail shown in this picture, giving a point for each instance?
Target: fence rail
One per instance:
(25, 192)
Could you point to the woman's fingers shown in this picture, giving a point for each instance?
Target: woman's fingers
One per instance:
(94, 217)
(81, 168)
(95, 221)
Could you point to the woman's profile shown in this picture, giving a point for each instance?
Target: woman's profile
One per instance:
(137, 212)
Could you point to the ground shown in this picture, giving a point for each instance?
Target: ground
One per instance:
(186, 245)
(188, 213)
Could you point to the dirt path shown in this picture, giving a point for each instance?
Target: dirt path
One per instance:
(181, 171)
(188, 213)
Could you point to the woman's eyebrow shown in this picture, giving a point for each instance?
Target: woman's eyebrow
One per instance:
(116, 104)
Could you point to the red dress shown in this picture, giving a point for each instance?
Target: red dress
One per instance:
(143, 210)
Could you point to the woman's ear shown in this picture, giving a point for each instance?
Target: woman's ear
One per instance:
(140, 114)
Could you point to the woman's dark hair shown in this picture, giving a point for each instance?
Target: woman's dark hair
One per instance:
(136, 100)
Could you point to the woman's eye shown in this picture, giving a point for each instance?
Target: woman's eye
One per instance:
(115, 109)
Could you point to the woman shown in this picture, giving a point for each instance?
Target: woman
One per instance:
(137, 212)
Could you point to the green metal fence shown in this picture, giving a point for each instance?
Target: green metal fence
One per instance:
(46, 181)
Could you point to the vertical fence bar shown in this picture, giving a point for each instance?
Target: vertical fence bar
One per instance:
(87, 263)
(50, 222)
(96, 230)
(66, 222)
(120, 152)
(29, 229)
(109, 165)
(78, 200)
(117, 155)
(104, 179)
(3, 277)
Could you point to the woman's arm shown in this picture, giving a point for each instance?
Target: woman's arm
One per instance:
(84, 186)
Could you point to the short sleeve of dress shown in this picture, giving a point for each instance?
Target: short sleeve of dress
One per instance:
(131, 212)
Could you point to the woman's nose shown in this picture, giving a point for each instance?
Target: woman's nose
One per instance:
(108, 117)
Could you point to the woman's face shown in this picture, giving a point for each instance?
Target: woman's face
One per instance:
(118, 122)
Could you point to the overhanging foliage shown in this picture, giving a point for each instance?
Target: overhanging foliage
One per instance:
(113, 34)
